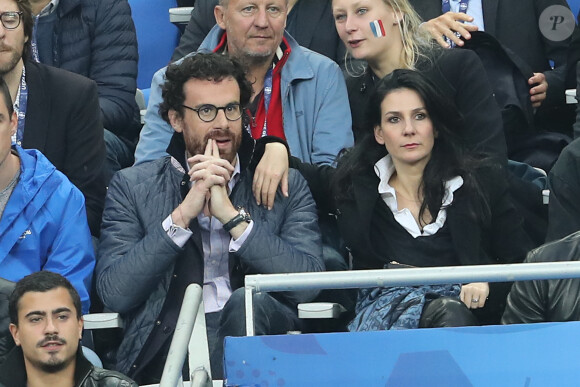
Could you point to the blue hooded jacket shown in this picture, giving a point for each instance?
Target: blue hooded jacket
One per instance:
(44, 226)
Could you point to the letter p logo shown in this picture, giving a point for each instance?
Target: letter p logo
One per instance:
(557, 23)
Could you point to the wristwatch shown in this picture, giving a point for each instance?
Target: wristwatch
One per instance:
(242, 216)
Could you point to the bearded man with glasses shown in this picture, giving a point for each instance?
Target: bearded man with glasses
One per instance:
(58, 111)
(191, 217)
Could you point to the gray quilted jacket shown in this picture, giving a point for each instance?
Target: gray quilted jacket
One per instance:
(136, 257)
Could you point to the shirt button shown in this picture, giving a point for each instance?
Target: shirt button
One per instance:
(158, 322)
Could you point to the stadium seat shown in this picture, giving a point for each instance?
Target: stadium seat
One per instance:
(156, 35)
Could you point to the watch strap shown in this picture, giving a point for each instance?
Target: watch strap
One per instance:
(242, 216)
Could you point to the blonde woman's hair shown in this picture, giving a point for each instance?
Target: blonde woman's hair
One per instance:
(416, 41)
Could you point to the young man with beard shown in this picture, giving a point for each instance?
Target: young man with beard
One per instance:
(191, 218)
(298, 95)
(46, 324)
(58, 111)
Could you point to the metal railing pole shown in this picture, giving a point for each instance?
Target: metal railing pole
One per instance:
(412, 276)
(403, 277)
(178, 349)
(249, 295)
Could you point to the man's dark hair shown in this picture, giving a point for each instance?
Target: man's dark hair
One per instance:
(41, 281)
(27, 24)
(207, 66)
(7, 98)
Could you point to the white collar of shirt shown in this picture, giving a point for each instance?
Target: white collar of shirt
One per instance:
(384, 168)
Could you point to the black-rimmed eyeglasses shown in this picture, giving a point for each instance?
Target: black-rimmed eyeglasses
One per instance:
(10, 19)
(208, 113)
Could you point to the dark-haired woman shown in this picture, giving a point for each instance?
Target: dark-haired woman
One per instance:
(409, 195)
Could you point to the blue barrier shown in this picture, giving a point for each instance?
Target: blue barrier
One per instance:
(516, 355)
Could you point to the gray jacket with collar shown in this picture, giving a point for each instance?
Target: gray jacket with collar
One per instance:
(136, 257)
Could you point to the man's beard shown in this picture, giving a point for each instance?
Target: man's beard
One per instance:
(251, 59)
(8, 66)
(195, 147)
(54, 364)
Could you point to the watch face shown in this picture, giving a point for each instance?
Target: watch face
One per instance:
(245, 215)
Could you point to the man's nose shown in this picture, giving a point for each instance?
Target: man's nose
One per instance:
(220, 119)
(261, 18)
(50, 326)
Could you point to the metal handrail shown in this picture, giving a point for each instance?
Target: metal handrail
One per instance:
(172, 371)
(402, 277)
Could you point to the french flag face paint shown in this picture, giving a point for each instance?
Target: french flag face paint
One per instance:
(377, 28)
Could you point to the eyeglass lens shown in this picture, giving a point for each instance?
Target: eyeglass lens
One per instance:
(10, 20)
(209, 112)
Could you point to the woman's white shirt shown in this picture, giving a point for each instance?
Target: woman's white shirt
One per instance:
(384, 168)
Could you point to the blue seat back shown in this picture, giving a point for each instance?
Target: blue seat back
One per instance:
(156, 35)
(574, 6)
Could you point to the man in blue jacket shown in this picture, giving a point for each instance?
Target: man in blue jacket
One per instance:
(96, 39)
(191, 218)
(43, 223)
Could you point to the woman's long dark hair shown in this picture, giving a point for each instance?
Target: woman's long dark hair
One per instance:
(448, 157)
